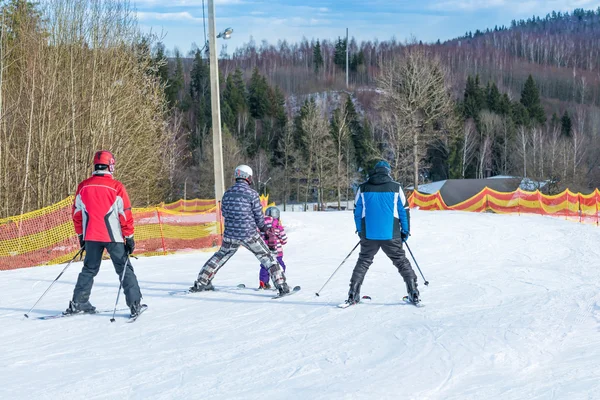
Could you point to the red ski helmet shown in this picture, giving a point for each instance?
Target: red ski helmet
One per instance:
(104, 157)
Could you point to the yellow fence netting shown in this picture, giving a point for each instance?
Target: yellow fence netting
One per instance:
(47, 236)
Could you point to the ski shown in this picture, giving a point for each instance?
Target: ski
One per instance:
(143, 308)
(187, 291)
(418, 304)
(63, 315)
(243, 286)
(346, 304)
(296, 289)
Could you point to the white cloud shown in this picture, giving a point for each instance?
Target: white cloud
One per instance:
(183, 3)
(157, 16)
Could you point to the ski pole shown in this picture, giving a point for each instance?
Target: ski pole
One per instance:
(334, 272)
(413, 257)
(120, 286)
(59, 275)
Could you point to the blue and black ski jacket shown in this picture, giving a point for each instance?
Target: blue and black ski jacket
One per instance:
(380, 210)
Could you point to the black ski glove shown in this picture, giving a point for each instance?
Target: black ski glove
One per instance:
(81, 242)
(129, 245)
(404, 235)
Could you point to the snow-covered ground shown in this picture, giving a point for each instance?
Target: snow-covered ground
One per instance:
(512, 312)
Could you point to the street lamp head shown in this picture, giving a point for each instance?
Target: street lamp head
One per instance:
(226, 34)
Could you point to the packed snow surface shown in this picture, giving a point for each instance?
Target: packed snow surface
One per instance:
(512, 312)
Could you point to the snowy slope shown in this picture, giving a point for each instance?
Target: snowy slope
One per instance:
(512, 312)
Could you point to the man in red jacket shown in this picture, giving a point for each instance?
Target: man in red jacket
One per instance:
(103, 220)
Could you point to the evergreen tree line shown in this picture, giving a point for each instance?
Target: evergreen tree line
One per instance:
(504, 137)
(322, 149)
(562, 52)
(301, 155)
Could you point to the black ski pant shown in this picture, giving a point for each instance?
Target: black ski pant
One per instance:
(91, 266)
(392, 248)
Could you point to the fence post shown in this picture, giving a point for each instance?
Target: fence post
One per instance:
(162, 235)
(487, 204)
(579, 207)
(596, 201)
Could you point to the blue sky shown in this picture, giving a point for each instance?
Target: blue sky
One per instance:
(180, 21)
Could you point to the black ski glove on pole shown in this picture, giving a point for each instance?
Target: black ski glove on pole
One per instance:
(129, 244)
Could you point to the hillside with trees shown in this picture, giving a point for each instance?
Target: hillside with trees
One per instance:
(519, 100)
(525, 104)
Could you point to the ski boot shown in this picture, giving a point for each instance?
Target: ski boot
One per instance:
(264, 286)
(413, 292)
(198, 287)
(136, 308)
(353, 293)
(80, 308)
(283, 289)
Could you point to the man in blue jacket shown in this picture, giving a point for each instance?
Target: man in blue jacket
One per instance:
(382, 220)
(244, 219)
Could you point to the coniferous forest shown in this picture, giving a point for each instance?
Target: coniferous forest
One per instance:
(519, 100)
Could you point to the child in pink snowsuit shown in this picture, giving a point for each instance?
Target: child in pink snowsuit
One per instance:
(275, 238)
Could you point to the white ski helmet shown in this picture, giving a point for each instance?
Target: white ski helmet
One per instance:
(243, 172)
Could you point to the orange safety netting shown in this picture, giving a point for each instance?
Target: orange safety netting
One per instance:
(576, 206)
(47, 236)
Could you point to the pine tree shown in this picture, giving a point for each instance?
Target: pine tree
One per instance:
(258, 100)
(301, 116)
(566, 124)
(530, 98)
(493, 98)
(339, 57)
(504, 108)
(200, 98)
(360, 135)
(160, 61)
(317, 57)
(474, 98)
(175, 82)
(519, 114)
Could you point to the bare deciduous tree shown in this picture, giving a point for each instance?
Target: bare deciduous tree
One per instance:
(341, 137)
(77, 78)
(415, 90)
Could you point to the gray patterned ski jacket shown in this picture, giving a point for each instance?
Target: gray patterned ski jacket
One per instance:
(242, 211)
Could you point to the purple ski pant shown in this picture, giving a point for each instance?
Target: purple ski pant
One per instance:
(264, 273)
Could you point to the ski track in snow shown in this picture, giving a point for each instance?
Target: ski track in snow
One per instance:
(512, 312)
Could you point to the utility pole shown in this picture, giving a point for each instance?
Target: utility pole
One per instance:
(215, 106)
(347, 45)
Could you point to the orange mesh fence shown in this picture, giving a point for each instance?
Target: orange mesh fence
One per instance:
(573, 206)
(47, 236)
